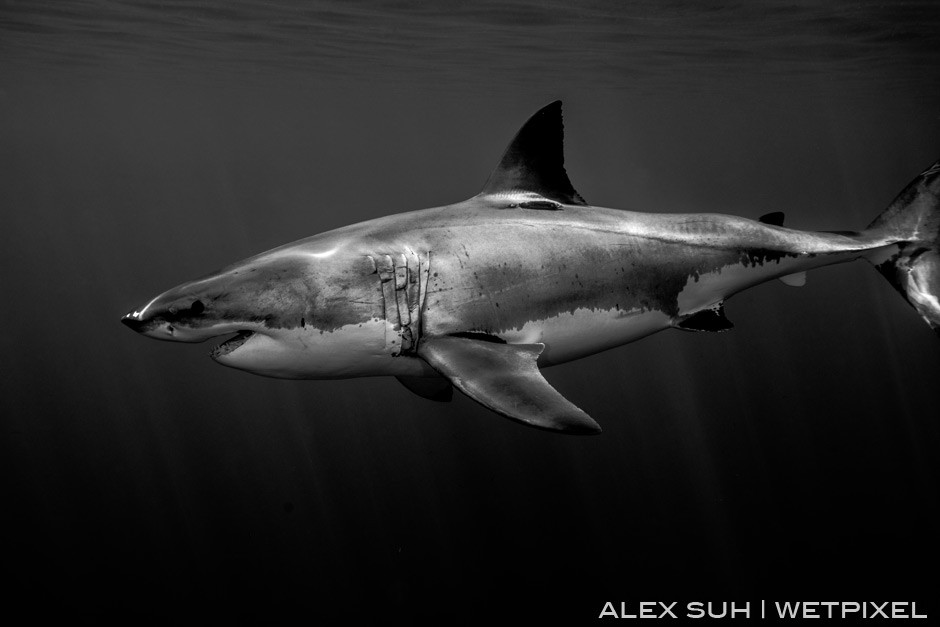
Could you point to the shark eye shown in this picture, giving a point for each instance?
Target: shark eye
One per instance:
(197, 307)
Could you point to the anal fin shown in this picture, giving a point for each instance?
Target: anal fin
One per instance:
(713, 320)
(797, 279)
(506, 379)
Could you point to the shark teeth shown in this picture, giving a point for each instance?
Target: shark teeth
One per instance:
(231, 344)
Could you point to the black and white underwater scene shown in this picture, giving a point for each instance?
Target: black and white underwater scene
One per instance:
(146, 143)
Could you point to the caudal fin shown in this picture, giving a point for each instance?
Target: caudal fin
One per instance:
(912, 265)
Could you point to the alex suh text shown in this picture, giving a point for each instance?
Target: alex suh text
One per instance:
(762, 609)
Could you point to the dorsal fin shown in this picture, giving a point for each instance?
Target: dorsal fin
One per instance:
(534, 161)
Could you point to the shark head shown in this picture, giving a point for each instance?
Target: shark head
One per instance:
(260, 303)
(306, 310)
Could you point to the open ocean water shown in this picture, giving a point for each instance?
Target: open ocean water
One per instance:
(144, 143)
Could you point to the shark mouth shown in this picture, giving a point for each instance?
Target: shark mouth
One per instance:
(230, 345)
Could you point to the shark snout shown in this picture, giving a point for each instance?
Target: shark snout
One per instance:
(177, 315)
(133, 321)
(184, 319)
(150, 324)
(162, 324)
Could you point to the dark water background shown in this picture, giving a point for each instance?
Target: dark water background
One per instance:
(145, 143)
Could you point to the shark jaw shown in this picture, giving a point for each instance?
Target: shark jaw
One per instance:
(247, 346)
(260, 353)
(245, 333)
(229, 346)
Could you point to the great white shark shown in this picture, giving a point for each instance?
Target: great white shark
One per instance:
(481, 294)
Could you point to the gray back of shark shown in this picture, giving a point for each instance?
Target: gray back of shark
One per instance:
(480, 294)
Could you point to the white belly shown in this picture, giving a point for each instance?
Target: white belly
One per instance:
(569, 336)
(355, 350)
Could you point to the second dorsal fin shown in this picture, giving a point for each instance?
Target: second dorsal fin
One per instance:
(774, 218)
(534, 162)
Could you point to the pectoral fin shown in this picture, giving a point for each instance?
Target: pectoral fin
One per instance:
(505, 379)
